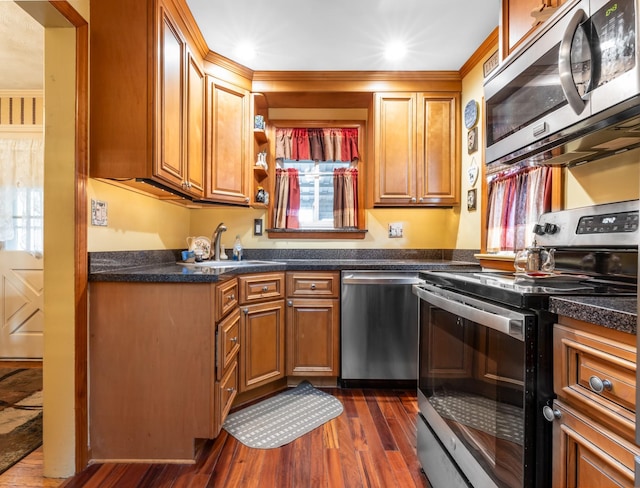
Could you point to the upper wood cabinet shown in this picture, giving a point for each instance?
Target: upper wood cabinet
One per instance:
(518, 23)
(147, 89)
(228, 146)
(416, 153)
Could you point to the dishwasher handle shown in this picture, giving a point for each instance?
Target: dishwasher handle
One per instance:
(381, 279)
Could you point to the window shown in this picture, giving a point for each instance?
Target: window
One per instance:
(316, 181)
(316, 191)
(27, 221)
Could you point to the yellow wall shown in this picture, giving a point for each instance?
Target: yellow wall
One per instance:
(135, 221)
(59, 242)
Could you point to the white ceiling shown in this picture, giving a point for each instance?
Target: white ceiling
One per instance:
(21, 49)
(308, 35)
(300, 35)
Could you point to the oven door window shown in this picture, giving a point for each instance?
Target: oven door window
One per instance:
(474, 377)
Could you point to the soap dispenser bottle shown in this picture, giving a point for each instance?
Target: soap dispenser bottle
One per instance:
(237, 249)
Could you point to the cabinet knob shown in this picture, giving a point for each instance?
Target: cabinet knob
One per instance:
(313, 286)
(290, 303)
(413, 199)
(246, 311)
(265, 289)
(234, 340)
(246, 199)
(599, 385)
(550, 414)
(231, 297)
(421, 199)
(231, 390)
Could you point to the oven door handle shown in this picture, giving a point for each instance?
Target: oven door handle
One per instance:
(502, 320)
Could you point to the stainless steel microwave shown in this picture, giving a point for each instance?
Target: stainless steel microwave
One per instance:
(571, 94)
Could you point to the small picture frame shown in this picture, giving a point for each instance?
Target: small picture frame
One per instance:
(471, 200)
(490, 64)
(258, 122)
(472, 140)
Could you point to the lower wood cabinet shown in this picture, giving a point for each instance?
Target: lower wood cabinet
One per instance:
(594, 426)
(262, 328)
(313, 324)
(151, 364)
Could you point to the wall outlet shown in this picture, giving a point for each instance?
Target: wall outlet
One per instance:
(395, 229)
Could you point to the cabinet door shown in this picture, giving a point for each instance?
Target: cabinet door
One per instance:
(194, 134)
(395, 148)
(437, 159)
(228, 146)
(313, 337)
(168, 162)
(517, 23)
(586, 454)
(262, 344)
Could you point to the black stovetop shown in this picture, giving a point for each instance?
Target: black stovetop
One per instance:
(523, 291)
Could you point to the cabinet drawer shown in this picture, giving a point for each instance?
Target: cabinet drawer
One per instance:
(597, 372)
(259, 287)
(228, 342)
(325, 285)
(586, 454)
(227, 389)
(226, 298)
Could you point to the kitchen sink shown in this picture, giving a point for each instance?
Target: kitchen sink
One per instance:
(228, 264)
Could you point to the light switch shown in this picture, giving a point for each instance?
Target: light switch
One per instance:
(395, 229)
(98, 213)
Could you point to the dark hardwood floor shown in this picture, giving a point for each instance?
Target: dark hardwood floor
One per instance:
(371, 444)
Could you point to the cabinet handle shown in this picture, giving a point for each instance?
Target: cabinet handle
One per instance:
(313, 286)
(246, 199)
(231, 297)
(290, 303)
(421, 199)
(265, 289)
(246, 311)
(551, 414)
(231, 390)
(598, 385)
(234, 340)
(413, 199)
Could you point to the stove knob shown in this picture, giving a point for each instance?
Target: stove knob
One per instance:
(538, 229)
(550, 228)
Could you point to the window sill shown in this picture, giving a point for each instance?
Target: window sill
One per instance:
(316, 233)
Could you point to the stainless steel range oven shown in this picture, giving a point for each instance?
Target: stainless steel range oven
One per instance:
(485, 350)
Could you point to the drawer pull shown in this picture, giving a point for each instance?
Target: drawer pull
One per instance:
(551, 414)
(313, 286)
(599, 385)
(231, 297)
(265, 288)
(289, 303)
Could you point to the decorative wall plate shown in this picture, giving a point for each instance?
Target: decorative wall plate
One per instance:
(471, 114)
(472, 172)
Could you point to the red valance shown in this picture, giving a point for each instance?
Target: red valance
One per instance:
(322, 144)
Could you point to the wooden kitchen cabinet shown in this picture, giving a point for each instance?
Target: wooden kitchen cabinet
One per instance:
(416, 149)
(518, 23)
(228, 146)
(313, 324)
(147, 93)
(594, 426)
(262, 329)
(151, 370)
(227, 351)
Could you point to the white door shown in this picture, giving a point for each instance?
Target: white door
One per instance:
(21, 305)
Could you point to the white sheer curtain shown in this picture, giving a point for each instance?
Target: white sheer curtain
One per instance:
(21, 190)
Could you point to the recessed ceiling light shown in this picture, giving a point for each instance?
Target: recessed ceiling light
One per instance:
(395, 50)
(245, 51)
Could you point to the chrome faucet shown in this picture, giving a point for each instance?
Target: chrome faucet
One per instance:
(215, 239)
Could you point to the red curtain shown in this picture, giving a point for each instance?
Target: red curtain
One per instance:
(327, 144)
(287, 199)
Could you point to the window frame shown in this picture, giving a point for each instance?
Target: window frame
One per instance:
(329, 232)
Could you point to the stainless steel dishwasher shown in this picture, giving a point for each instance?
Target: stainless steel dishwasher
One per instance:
(379, 328)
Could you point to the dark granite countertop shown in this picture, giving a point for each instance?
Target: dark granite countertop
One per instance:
(619, 313)
(164, 266)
